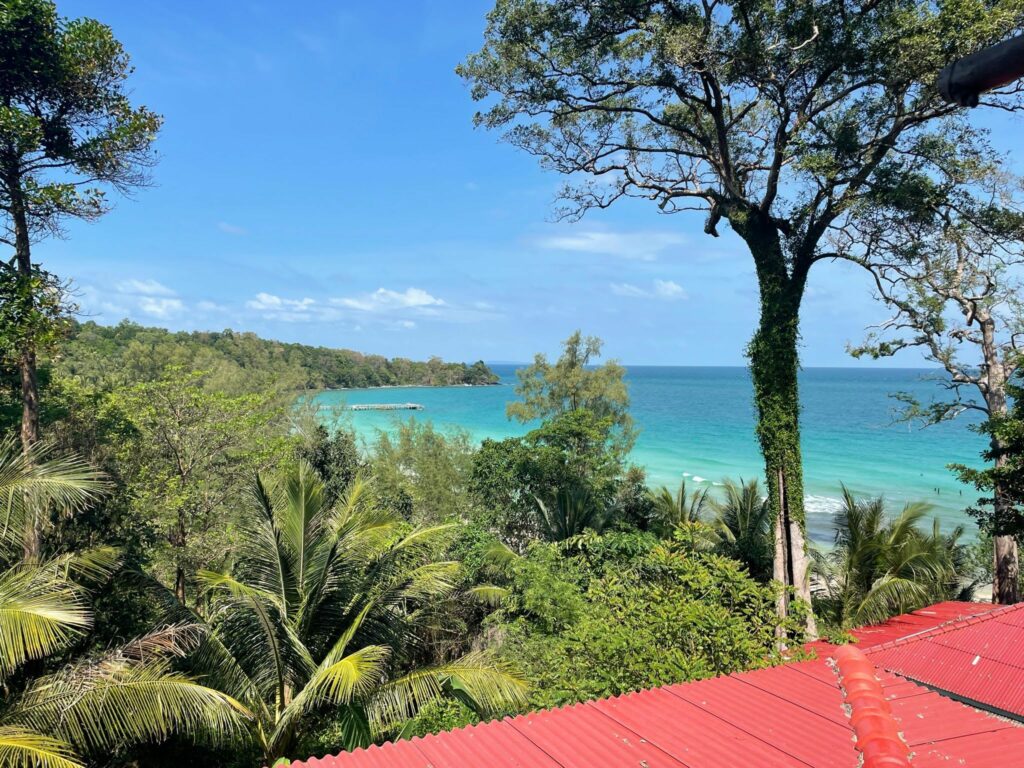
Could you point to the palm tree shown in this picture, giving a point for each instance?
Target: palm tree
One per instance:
(319, 609)
(574, 511)
(668, 511)
(93, 704)
(743, 523)
(881, 566)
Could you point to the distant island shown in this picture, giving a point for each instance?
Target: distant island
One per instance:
(93, 351)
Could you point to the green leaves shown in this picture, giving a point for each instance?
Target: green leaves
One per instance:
(36, 483)
(118, 700)
(41, 613)
(322, 605)
(23, 748)
(881, 565)
(66, 112)
(641, 616)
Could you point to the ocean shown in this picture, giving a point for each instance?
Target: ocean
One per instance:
(698, 423)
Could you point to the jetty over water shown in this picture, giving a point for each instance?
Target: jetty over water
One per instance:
(386, 407)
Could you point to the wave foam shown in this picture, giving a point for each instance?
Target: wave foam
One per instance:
(822, 505)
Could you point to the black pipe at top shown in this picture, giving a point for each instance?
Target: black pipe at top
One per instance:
(963, 81)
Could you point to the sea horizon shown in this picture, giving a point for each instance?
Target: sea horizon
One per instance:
(697, 424)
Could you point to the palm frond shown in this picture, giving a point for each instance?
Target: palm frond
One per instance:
(489, 684)
(435, 579)
(36, 481)
(22, 748)
(41, 612)
(337, 682)
(99, 706)
(499, 557)
(489, 594)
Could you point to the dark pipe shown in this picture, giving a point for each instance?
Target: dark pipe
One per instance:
(963, 81)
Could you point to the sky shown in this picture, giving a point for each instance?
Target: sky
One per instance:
(320, 181)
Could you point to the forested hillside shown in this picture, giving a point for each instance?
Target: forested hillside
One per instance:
(96, 352)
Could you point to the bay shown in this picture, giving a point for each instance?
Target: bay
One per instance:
(698, 423)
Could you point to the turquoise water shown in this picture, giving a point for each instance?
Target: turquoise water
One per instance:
(699, 422)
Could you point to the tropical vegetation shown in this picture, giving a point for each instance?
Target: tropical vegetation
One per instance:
(65, 706)
(200, 567)
(322, 608)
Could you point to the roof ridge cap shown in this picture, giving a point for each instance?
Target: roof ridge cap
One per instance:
(877, 735)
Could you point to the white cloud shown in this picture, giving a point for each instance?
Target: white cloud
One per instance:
(136, 287)
(628, 289)
(289, 310)
(385, 300)
(231, 229)
(160, 307)
(270, 302)
(667, 290)
(643, 246)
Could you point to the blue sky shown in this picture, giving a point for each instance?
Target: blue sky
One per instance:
(320, 181)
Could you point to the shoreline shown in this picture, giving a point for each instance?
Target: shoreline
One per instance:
(407, 386)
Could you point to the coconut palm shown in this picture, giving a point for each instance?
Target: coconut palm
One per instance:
(320, 610)
(881, 566)
(92, 704)
(743, 523)
(668, 511)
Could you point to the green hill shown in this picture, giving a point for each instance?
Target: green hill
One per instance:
(131, 352)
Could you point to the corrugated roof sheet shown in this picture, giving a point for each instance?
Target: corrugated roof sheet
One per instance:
(789, 716)
(980, 658)
(921, 620)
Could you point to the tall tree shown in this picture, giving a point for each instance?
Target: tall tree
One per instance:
(189, 462)
(574, 383)
(68, 133)
(772, 115)
(949, 271)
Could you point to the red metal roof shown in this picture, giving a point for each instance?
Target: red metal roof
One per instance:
(874, 726)
(980, 658)
(791, 715)
(923, 619)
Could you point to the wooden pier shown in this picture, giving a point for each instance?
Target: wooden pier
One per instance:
(386, 407)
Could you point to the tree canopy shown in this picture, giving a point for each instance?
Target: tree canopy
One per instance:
(774, 116)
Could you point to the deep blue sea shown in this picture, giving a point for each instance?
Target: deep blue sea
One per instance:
(698, 423)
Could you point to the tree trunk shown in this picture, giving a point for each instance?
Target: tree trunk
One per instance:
(179, 540)
(27, 354)
(179, 584)
(1006, 583)
(32, 544)
(1005, 564)
(774, 363)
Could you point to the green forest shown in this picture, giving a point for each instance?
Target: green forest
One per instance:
(89, 352)
(194, 568)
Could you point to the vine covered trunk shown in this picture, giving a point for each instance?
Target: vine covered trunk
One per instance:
(774, 366)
